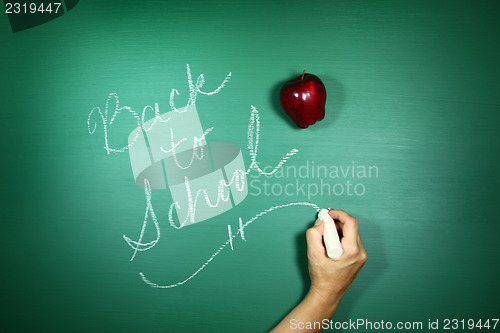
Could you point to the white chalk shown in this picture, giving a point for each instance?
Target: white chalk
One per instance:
(331, 237)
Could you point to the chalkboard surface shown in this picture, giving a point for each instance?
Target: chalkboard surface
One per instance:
(91, 239)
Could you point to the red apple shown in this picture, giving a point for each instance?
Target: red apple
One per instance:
(303, 99)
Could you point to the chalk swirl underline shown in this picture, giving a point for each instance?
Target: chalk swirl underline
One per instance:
(223, 246)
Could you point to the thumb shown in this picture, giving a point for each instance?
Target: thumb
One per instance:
(314, 237)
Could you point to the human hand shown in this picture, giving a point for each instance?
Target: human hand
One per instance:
(331, 278)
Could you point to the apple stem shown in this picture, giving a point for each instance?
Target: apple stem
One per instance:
(302, 78)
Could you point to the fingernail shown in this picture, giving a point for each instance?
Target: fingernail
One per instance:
(318, 222)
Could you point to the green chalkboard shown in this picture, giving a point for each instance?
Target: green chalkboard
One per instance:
(91, 239)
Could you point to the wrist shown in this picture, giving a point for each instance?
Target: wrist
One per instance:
(323, 297)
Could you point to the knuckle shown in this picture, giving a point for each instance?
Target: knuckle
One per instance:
(355, 251)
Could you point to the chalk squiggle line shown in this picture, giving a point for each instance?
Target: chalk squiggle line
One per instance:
(240, 230)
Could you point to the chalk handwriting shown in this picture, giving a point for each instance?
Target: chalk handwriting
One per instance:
(253, 145)
(140, 120)
(113, 97)
(237, 181)
(197, 143)
(238, 177)
(253, 142)
(138, 245)
(194, 90)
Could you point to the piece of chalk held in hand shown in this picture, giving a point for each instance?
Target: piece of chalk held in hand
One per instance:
(331, 237)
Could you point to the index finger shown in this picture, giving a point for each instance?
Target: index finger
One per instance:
(349, 227)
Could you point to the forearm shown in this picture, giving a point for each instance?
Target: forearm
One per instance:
(309, 314)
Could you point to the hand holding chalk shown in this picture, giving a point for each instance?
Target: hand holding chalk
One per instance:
(331, 237)
(330, 279)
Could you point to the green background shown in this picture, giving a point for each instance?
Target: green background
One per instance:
(413, 88)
